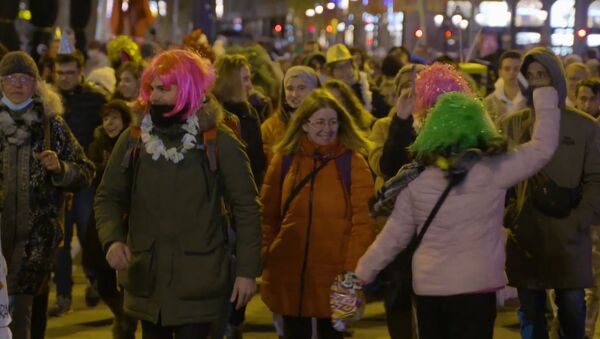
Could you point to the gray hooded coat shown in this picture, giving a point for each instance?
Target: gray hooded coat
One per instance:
(543, 251)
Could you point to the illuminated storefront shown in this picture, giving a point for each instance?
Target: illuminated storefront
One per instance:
(530, 17)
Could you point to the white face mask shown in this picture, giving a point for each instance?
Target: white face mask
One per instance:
(15, 107)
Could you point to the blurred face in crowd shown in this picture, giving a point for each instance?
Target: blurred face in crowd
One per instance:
(509, 71)
(345, 71)
(358, 58)
(311, 47)
(129, 86)
(161, 94)
(68, 76)
(322, 127)
(574, 74)
(246, 79)
(296, 89)
(112, 123)
(18, 87)
(538, 75)
(587, 101)
(388, 91)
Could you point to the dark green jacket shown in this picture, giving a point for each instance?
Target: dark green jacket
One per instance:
(179, 267)
(542, 251)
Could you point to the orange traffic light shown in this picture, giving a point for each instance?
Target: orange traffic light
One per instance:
(448, 34)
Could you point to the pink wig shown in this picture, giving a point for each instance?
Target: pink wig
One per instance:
(192, 74)
(435, 80)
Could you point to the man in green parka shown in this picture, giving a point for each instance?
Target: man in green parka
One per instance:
(172, 260)
(549, 219)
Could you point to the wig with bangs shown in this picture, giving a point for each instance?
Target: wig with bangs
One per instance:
(434, 81)
(193, 75)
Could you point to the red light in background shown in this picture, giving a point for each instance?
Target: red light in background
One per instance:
(419, 33)
(448, 34)
(582, 33)
(278, 28)
(312, 29)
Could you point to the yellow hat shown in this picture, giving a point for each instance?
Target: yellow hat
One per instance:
(338, 52)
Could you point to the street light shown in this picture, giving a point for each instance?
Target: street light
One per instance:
(464, 23)
(310, 12)
(318, 9)
(456, 19)
(331, 5)
(438, 20)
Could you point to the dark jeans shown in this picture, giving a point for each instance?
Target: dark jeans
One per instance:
(301, 328)
(462, 316)
(190, 331)
(571, 313)
(79, 214)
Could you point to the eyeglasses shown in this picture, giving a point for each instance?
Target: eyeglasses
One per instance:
(22, 80)
(321, 124)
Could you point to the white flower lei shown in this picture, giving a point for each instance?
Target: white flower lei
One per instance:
(155, 146)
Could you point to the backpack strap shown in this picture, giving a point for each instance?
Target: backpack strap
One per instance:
(133, 145)
(343, 163)
(209, 138)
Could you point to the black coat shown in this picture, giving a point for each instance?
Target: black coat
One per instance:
(251, 136)
(82, 108)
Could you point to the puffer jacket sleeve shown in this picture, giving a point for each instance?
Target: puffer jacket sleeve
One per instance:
(113, 195)
(394, 237)
(362, 232)
(270, 197)
(527, 159)
(78, 170)
(242, 195)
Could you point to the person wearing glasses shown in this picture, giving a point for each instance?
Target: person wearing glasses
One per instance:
(82, 113)
(41, 159)
(549, 215)
(315, 213)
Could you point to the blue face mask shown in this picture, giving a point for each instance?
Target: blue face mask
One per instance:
(15, 107)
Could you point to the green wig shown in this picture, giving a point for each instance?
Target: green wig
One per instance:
(457, 122)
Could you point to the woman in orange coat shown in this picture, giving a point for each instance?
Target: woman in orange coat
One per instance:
(312, 236)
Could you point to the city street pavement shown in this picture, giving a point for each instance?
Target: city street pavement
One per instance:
(95, 323)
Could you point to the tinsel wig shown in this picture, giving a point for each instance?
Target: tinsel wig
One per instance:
(121, 50)
(458, 121)
(433, 81)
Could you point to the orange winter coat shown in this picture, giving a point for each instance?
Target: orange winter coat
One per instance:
(319, 237)
(272, 131)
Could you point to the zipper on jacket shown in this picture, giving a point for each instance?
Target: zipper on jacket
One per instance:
(306, 245)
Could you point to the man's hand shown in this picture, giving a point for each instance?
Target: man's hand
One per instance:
(405, 104)
(243, 290)
(118, 256)
(50, 161)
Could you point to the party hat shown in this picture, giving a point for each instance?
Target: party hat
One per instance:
(65, 45)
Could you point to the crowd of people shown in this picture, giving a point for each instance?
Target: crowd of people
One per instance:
(195, 176)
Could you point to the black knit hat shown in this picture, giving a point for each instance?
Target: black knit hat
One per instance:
(18, 62)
